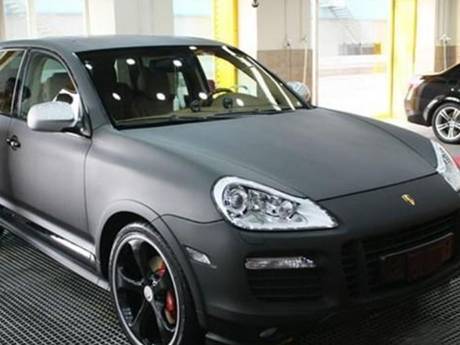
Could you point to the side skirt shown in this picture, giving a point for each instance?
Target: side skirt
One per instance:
(64, 252)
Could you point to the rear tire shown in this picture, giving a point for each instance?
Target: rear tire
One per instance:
(149, 290)
(446, 123)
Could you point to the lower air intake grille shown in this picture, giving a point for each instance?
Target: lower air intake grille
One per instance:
(285, 285)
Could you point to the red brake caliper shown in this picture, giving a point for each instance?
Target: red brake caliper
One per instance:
(170, 307)
(170, 300)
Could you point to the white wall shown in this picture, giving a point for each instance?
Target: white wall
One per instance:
(130, 17)
(97, 24)
(247, 17)
(198, 26)
(283, 22)
(426, 37)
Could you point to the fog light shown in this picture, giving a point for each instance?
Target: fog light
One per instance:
(282, 263)
(197, 256)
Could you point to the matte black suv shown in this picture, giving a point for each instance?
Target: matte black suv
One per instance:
(434, 100)
(207, 195)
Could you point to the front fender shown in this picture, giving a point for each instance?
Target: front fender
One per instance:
(119, 206)
(165, 231)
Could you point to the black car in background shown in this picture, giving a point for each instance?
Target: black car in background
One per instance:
(434, 100)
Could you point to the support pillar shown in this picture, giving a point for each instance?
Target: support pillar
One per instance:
(2, 21)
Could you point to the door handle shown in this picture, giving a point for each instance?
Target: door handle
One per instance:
(13, 142)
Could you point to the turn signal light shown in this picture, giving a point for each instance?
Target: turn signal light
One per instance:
(198, 256)
(457, 160)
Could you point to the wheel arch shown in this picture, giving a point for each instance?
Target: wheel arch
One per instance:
(436, 103)
(115, 217)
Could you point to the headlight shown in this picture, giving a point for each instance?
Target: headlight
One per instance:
(447, 166)
(252, 206)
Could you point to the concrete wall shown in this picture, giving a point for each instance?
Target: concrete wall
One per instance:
(284, 39)
(448, 25)
(289, 64)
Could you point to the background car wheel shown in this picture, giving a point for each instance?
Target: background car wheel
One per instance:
(150, 292)
(446, 123)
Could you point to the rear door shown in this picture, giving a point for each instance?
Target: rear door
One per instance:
(10, 63)
(47, 169)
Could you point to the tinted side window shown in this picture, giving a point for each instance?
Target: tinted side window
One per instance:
(10, 62)
(47, 81)
(456, 73)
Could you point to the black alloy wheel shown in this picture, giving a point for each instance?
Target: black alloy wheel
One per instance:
(151, 296)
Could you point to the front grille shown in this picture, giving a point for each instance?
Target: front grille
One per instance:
(285, 285)
(361, 259)
(351, 268)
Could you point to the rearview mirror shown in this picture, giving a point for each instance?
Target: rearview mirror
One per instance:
(51, 117)
(301, 89)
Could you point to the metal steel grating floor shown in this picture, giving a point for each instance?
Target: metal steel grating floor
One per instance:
(42, 303)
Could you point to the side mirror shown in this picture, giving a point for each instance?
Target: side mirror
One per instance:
(300, 89)
(51, 117)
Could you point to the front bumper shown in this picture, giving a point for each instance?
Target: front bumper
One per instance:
(239, 305)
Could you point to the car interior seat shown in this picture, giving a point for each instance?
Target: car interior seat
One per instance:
(154, 95)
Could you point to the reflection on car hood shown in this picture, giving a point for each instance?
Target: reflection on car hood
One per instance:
(320, 153)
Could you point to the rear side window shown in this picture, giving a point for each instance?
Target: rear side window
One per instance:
(10, 61)
(456, 73)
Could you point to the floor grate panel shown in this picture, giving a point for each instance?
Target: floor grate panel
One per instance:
(42, 303)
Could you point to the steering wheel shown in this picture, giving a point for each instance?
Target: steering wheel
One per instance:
(218, 91)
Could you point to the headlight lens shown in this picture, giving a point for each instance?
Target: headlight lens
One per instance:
(447, 166)
(252, 206)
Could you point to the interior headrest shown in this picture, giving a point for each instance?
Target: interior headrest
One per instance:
(152, 82)
(54, 84)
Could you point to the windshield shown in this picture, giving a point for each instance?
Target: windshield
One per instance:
(152, 86)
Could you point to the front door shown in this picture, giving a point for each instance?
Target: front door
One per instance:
(47, 169)
(10, 62)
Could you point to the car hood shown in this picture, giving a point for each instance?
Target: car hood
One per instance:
(319, 153)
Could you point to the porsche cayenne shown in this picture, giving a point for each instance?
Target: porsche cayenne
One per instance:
(210, 198)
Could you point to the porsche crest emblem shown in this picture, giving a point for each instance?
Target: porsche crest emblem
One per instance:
(408, 199)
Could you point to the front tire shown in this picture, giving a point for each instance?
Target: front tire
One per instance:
(149, 289)
(446, 123)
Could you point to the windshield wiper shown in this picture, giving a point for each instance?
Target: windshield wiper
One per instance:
(256, 111)
(179, 118)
